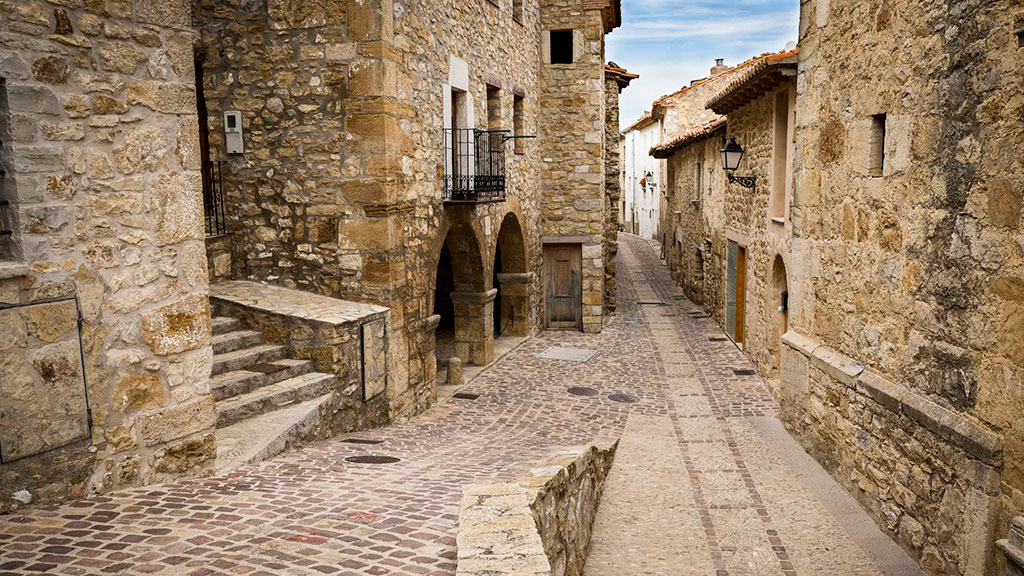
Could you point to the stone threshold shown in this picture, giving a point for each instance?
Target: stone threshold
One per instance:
(295, 303)
(958, 429)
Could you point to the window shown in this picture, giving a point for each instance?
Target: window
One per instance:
(698, 184)
(519, 123)
(561, 47)
(780, 157)
(493, 107)
(517, 10)
(876, 146)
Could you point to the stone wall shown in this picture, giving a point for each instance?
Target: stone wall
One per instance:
(616, 79)
(916, 270)
(103, 171)
(929, 475)
(536, 525)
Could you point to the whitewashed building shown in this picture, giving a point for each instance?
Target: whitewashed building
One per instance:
(642, 178)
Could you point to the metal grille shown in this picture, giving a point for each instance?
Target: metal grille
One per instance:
(474, 165)
(213, 198)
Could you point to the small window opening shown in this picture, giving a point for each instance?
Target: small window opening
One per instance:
(493, 108)
(519, 123)
(698, 184)
(561, 47)
(8, 201)
(780, 165)
(876, 146)
(517, 10)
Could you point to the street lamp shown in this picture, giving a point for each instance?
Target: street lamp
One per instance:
(732, 154)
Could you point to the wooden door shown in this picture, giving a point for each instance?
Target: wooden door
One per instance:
(563, 274)
(741, 293)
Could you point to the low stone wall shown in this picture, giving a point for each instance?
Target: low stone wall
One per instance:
(929, 476)
(347, 339)
(539, 525)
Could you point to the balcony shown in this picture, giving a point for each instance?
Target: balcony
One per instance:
(474, 165)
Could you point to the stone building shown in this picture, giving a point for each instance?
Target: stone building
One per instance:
(881, 295)
(370, 177)
(642, 178)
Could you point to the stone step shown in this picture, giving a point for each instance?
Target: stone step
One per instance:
(231, 384)
(267, 435)
(225, 324)
(247, 357)
(273, 397)
(231, 341)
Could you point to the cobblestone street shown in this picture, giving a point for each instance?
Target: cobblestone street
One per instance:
(740, 507)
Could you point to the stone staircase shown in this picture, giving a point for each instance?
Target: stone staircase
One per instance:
(266, 402)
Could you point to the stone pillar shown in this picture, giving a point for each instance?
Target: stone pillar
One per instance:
(474, 326)
(515, 300)
(1013, 548)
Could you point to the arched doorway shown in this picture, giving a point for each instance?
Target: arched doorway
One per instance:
(462, 301)
(780, 304)
(511, 278)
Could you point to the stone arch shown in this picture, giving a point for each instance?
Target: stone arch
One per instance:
(512, 279)
(461, 298)
(779, 311)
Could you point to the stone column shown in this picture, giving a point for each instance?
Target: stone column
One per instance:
(474, 326)
(515, 300)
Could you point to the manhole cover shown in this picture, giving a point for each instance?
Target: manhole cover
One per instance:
(567, 354)
(744, 372)
(362, 441)
(466, 396)
(623, 398)
(372, 459)
(582, 391)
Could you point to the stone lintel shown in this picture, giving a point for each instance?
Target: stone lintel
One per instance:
(516, 278)
(958, 429)
(579, 239)
(475, 297)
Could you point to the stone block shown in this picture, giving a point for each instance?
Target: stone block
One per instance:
(164, 13)
(369, 234)
(177, 207)
(374, 352)
(162, 426)
(139, 392)
(177, 327)
(290, 14)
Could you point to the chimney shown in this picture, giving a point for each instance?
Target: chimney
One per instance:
(719, 67)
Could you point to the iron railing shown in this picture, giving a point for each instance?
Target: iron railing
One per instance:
(474, 165)
(213, 198)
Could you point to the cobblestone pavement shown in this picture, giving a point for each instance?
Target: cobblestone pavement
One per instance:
(311, 512)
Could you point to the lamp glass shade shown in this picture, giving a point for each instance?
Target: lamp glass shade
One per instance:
(732, 154)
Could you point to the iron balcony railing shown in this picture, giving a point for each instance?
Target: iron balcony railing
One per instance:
(474, 165)
(213, 198)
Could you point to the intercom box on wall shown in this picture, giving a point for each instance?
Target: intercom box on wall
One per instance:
(233, 132)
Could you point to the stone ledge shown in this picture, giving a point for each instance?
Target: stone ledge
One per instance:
(474, 297)
(515, 278)
(527, 526)
(13, 270)
(959, 430)
(295, 303)
(1013, 547)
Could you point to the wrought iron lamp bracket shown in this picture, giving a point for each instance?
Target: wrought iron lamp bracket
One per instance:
(745, 181)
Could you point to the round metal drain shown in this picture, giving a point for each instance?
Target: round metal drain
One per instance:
(623, 398)
(582, 391)
(372, 459)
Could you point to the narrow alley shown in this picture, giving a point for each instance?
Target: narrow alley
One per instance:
(698, 486)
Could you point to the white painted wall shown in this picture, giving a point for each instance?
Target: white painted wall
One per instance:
(641, 205)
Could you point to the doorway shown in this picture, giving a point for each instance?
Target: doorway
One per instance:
(563, 274)
(736, 301)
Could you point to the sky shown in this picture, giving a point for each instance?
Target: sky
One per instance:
(671, 42)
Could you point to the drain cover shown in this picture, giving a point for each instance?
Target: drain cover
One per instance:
(466, 396)
(372, 459)
(582, 391)
(623, 398)
(567, 354)
(744, 372)
(362, 441)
